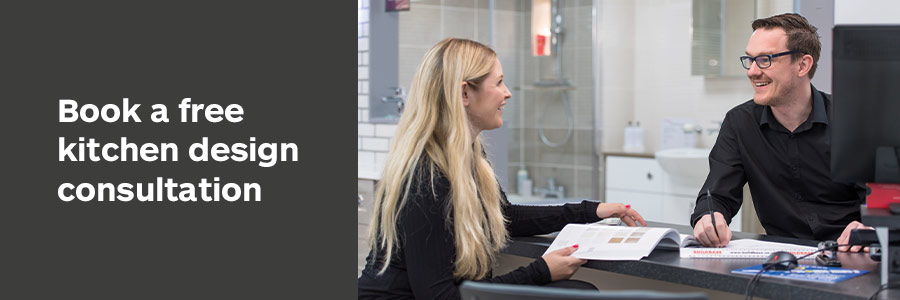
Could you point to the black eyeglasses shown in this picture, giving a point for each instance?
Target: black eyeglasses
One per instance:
(764, 61)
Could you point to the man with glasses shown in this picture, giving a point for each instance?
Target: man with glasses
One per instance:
(779, 143)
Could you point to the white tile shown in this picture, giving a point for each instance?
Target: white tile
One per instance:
(365, 158)
(380, 158)
(376, 144)
(365, 3)
(362, 72)
(365, 29)
(359, 58)
(365, 129)
(385, 130)
(359, 118)
(358, 143)
(362, 44)
(362, 101)
(365, 115)
(362, 15)
(365, 88)
(365, 58)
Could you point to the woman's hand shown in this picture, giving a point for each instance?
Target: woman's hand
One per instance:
(630, 216)
(561, 264)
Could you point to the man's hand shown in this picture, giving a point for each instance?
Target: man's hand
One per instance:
(705, 233)
(624, 212)
(845, 237)
(561, 264)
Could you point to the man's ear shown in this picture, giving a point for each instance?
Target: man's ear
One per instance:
(464, 91)
(806, 63)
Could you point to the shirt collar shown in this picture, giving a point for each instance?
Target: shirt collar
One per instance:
(817, 115)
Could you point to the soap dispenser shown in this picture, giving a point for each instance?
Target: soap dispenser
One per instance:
(522, 182)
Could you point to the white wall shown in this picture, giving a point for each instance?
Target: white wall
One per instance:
(616, 37)
(866, 12)
(646, 75)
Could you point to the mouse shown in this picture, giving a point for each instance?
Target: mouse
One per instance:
(780, 260)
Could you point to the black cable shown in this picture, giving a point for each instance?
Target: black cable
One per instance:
(748, 293)
(882, 288)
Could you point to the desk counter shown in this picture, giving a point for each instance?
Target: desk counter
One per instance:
(715, 274)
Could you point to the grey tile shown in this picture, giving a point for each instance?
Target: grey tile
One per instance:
(458, 3)
(482, 28)
(409, 59)
(584, 184)
(505, 5)
(515, 146)
(512, 179)
(458, 23)
(420, 26)
(583, 109)
(507, 25)
(511, 110)
(584, 147)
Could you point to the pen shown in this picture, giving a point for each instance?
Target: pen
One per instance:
(711, 215)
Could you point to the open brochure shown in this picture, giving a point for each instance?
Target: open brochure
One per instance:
(601, 242)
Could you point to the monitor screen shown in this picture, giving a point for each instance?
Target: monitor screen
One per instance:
(866, 99)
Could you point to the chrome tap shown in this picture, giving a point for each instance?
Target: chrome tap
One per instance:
(557, 191)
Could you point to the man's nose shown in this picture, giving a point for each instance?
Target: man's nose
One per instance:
(754, 69)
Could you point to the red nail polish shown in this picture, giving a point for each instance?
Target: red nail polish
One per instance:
(575, 246)
(627, 205)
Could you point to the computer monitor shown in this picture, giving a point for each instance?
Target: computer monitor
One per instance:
(866, 103)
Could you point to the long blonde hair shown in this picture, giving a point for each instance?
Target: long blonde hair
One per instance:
(434, 123)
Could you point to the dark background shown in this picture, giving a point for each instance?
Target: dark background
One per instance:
(282, 64)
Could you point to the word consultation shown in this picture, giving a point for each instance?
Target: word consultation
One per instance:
(124, 150)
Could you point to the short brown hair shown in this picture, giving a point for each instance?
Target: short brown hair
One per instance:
(802, 36)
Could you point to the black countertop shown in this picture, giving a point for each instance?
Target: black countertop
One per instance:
(715, 274)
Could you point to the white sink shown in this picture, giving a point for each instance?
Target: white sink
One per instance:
(685, 165)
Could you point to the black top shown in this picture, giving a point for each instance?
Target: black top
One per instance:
(422, 266)
(789, 173)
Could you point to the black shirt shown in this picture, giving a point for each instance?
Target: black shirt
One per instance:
(789, 173)
(422, 265)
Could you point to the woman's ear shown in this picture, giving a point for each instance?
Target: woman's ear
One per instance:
(465, 94)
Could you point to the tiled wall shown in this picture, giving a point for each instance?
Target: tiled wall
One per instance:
(373, 140)
(426, 23)
(430, 21)
(570, 165)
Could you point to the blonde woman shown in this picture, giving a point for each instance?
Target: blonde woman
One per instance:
(440, 216)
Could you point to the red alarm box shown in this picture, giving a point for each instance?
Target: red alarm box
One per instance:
(882, 194)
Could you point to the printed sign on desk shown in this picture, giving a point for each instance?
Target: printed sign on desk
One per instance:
(805, 273)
